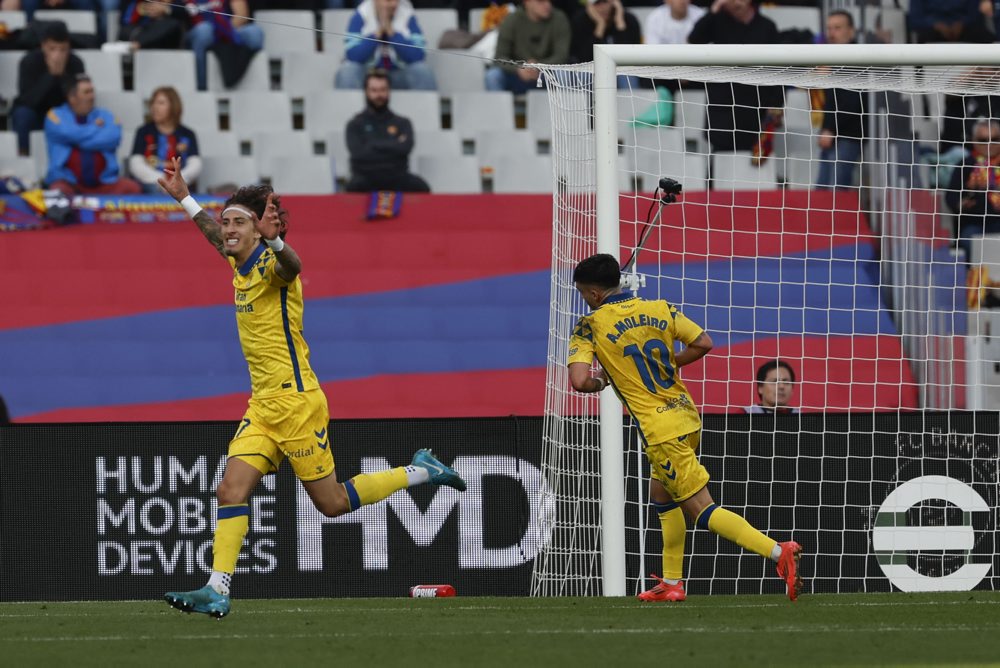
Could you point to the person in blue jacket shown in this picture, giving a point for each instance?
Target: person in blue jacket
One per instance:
(82, 142)
(384, 34)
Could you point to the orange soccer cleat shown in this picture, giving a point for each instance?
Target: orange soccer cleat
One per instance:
(788, 567)
(664, 591)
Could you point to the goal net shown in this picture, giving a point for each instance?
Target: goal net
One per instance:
(817, 226)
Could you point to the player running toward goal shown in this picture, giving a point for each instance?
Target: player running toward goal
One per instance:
(288, 415)
(633, 339)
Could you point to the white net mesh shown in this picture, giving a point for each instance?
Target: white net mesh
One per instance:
(818, 226)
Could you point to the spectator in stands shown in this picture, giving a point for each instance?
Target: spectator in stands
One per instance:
(82, 141)
(79, 40)
(225, 27)
(41, 78)
(150, 25)
(844, 118)
(974, 192)
(775, 382)
(737, 112)
(161, 140)
(535, 33)
(380, 143)
(385, 34)
(601, 22)
(948, 21)
(671, 22)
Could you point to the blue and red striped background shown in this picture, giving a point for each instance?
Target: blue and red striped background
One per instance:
(441, 312)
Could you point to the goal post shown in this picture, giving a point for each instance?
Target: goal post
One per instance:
(588, 557)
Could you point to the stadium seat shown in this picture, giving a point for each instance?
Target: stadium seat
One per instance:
(334, 29)
(472, 113)
(201, 112)
(270, 144)
(537, 114)
(340, 157)
(522, 174)
(302, 73)
(38, 149)
(691, 171)
(218, 144)
(255, 112)
(890, 19)
(457, 73)
(256, 78)
(77, 20)
(798, 111)
(436, 142)
(303, 175)
(113, 17)
(690, 112)
(287, 30)
(796, 159)
(24, 169)
(450, 174)
(434, 22)
(127, 106)
(495, 146)
(653, 152)
(14, 19)
(104, 69)
(227, 170)
(476, 19)
(8, 144)
(9, 63)
(795, 18)
(330, 109)
(422, 107)
(152, 68)
(734, 171)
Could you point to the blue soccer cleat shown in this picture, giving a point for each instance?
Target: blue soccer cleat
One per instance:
(440, 474)
(205, 600)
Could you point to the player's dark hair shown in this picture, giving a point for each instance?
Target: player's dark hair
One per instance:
(843, 12)
(768, 367)
(601, 270)
(255, 198)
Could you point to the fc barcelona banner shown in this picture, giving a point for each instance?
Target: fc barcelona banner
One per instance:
(126, 511)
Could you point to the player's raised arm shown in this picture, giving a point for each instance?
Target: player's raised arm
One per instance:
(174, 184)
(288, 265)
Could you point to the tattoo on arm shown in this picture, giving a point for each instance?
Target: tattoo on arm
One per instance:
(289, 265)
(211, 230)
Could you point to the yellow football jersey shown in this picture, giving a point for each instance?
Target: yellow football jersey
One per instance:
(269, 319)
(633, 340)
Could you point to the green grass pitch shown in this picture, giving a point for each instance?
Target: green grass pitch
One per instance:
(846, 629)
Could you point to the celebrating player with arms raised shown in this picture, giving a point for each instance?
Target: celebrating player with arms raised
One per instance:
(287, 414)
(633, 339)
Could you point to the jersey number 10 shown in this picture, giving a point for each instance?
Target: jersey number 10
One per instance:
(649, 367)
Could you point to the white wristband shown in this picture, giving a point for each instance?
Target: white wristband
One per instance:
(190, 206)
(276, 244)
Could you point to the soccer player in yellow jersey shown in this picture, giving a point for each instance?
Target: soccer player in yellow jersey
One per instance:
(287, 415)
(633, 340)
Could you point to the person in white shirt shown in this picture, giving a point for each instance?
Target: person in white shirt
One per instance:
(671, 22)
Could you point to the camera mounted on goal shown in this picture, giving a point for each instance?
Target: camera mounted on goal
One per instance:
(666, 193)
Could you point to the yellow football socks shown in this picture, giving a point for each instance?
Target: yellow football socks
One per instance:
(731, 526)
(230, 529)
(369, 488)
(674, 530)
